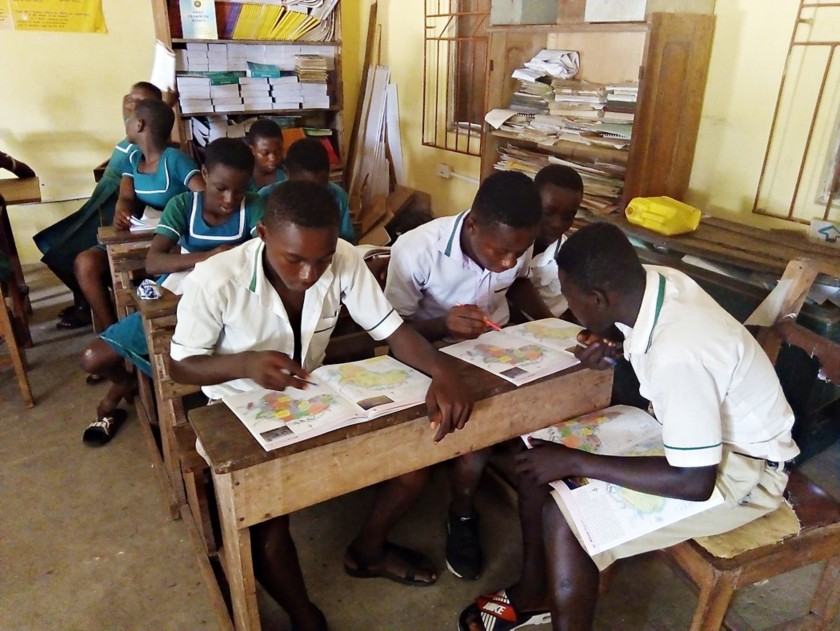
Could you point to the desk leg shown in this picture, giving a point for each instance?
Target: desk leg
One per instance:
(239, 564)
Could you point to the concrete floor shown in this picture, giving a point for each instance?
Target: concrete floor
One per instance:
(85, 542)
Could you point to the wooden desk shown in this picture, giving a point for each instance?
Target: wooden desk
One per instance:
(17, 191)
(254, 485)
(126, 255)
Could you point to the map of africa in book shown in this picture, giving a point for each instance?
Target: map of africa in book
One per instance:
(522, 353)
(342, 395)
(605, 514)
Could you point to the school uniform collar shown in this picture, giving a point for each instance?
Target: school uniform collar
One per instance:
(450, 243)
(639, 337)
(312, 300)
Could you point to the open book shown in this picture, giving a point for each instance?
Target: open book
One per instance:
(147, 222)
(521, 353)
(607, 515)
(342, 394)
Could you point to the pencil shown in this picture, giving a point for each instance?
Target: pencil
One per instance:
(487, 321)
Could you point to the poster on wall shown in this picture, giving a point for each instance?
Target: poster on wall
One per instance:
(63, 16)
(5, 16)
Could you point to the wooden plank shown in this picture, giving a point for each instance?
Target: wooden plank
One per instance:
(357, 117)
(24, 190)
(16, 357)
(110, 234)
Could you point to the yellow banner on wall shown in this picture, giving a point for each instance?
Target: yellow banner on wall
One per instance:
(65, 16)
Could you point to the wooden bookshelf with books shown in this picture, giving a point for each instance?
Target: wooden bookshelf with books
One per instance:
(635, 137)
(239, 61)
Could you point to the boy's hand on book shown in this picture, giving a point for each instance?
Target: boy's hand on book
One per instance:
(597, 352)
(545, 462)
(449, 405)
(466, 322)
(275, 371)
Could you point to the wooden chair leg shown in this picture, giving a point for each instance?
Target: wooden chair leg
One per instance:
(826, 601)
(15, 354)
(199, 503)
(713, 601)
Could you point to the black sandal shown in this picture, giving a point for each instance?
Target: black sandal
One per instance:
(104, 428)
(414, 560)
(76, 318)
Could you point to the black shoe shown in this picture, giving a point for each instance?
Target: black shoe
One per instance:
(464, 557)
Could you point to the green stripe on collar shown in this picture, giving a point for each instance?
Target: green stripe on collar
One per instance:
(660, 298)
(448, 250)
(693, 448)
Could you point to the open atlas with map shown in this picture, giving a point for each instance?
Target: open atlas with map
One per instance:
(521, 353)
(341, 395)
(605, 514)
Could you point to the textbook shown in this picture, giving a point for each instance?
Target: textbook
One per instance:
(340, 395)
(522, 353)
(607, 515)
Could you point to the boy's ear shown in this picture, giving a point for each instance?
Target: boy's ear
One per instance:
(261, 230)
(141, 124)
(204, 171)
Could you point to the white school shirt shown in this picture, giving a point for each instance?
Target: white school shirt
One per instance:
(229, 306)
(429, 274)
(707, 378)
(543, 274)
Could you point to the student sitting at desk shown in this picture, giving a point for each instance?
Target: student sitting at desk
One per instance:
(262, 315)
(155, 174)
(561, 192)
(194, 227)
(63, 241)
(452, 278)
(266, 142)
(307, 160)
(725, 423)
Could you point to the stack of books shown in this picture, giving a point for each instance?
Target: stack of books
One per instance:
(286, 92)
(311, 71)
(532, 97)
(577, 99)
(603, 183)
(620, 105)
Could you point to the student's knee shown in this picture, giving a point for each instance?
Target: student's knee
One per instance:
(99, 357)
(473, 462)
(88, 265)
(270, 536)
(412, 482)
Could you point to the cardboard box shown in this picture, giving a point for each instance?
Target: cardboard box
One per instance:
(523, 11)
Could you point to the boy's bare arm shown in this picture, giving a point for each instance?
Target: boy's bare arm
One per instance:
(526, 298)
(462, 322)
(548, 461)
(448, 402)
(270, 369)
(126, 203)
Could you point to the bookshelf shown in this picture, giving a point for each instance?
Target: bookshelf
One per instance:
(668, 54)
(168, 30)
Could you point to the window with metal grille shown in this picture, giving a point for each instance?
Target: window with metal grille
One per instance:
(800, 176)
(454, 74)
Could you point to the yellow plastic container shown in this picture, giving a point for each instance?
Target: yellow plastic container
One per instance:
(663, 215)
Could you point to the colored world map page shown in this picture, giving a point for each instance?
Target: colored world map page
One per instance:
(519, 360)
(340, 395)
(607, 515)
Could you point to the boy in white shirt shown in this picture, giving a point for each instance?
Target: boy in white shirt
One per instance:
(261, 315)
(725, 424)
(452, 278)
(561, 192)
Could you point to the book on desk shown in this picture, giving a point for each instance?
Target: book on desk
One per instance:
(522, 353)
(339, 395)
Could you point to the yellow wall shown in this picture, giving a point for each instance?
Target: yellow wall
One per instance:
(402, 52)
(62, 116)
(61, 106)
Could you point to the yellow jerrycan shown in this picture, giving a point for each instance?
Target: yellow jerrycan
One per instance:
(663, 215)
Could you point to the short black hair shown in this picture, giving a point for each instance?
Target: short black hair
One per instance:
(263, 128)
(508, 198)
(158, 116)
(230, 152)
(150, 88)
(599, 256)
(302, 203)
(561, 176)
(307, 155)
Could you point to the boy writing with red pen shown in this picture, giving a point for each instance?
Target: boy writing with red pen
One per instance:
(451, 278)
